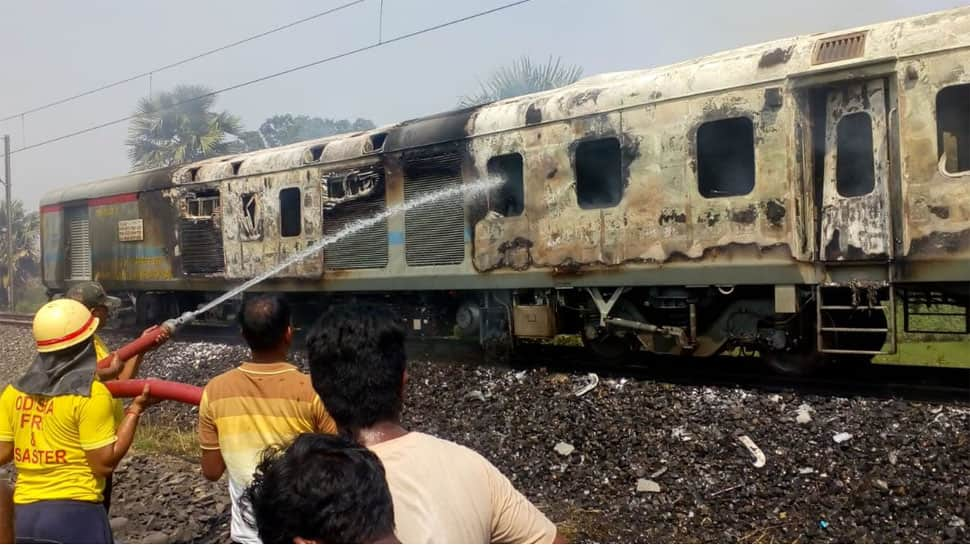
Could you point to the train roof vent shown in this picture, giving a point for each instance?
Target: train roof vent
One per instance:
(376, 143)
(312, 155)
(839, 48)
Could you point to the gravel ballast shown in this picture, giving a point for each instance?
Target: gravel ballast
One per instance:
(627, 460)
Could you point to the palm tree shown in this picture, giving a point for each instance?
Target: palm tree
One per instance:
(177, 127)
(523, 77)
(26, 246)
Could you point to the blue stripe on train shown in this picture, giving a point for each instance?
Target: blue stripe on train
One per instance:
(396, 238)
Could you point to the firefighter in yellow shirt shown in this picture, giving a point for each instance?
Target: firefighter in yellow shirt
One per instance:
(93, 296)
(57, 427)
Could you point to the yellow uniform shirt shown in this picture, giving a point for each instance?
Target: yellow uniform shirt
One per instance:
(50, 435)
(101, 352)
(100, 349)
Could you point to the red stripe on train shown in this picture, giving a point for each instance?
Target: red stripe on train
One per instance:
(102, 201)
(114, 199)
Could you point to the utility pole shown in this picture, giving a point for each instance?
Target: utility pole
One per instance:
(6, 184)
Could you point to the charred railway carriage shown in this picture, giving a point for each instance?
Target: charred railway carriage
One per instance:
(778, 197)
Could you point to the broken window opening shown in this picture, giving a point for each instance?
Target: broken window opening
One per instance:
(235, 167)
(377, 141)
(507, 199)
(599, 173)
(855, 173)
(340, 187)
(251, 222)
(291, 215)
(953, 127)
(315, 153)
(201, 207)
(725, 157)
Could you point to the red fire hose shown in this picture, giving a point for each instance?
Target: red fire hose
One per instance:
(162, 389)
(147, 341)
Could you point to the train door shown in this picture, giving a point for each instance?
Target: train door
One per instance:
(299, 228)
(271, 219)
(854, 219)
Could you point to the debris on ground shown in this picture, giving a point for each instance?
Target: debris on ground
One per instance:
(564, 449)
(647, 485)
(759, 456)
(592, 381)
(841, 437)
(711, 492)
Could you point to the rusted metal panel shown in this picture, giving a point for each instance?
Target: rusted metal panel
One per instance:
(254, 242)
(856, 227)
(936, 213)
(662, 216)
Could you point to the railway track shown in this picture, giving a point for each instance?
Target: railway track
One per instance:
(841, 379)
(911, 383)
(16, 318)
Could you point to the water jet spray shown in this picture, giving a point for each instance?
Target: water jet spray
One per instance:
(149, 339)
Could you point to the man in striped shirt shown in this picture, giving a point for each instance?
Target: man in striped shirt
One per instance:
(263, 402)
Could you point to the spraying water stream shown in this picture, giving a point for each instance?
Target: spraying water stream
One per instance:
(469, 189)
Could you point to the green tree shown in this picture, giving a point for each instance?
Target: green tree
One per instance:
(26, 247)
(284, 129)
(521, 78)
(178, 127)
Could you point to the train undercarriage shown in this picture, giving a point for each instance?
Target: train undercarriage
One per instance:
(794, 329)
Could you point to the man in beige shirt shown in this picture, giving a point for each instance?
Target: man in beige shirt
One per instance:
(442, 492)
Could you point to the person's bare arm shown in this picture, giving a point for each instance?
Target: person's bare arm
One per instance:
(130, 368)
(213, 465)
(6, 512)
(104, 460)
(559, 538)
(6, 452)
(112, 371)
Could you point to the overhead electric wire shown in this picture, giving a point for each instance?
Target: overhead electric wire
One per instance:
(186, 60)
(261, 79)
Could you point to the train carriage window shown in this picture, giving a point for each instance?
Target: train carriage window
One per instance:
(291, 215)
(201, 207)
(599, 173)
(509, 198)
(953, 127)
(855, 173)
(725, 157)
(250, 221)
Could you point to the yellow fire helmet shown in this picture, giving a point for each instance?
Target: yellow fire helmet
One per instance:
(61, 324)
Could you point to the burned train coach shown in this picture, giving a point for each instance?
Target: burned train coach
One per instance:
(806, 198)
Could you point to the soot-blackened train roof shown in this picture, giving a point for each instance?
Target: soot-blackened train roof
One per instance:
(768, 62)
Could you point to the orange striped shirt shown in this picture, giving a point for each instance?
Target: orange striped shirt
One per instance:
(249, 408)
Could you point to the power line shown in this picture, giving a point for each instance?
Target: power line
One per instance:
(261, 79)
(169, 66)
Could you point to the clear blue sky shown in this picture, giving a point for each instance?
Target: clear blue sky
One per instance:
(53, 49)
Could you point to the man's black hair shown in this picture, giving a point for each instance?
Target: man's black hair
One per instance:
(357, 361)
(322, 488)
(264, 320)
